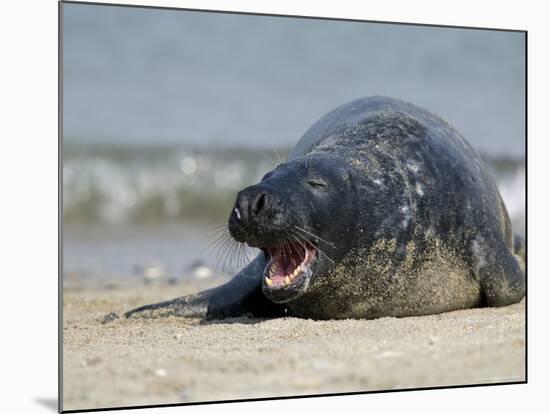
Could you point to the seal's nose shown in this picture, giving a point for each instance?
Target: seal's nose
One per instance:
(250, 205)
(258, 216)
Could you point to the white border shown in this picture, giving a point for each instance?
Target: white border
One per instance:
(28, 183)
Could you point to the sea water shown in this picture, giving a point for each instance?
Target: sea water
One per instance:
(167, 114)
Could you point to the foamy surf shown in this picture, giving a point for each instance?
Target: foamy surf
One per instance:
(133, 185)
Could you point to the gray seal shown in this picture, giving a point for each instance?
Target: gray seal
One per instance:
(382, 209)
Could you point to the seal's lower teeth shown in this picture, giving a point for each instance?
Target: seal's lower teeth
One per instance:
(268, 281)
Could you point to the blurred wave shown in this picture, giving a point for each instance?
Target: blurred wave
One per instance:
(114, 184)
(510, 177)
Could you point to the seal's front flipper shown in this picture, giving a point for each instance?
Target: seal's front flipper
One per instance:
(195, 305)
(500, 271)
(242, 295)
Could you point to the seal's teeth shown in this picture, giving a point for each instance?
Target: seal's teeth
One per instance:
(268, 281)
(303, 267)
(287, 280)
(296, 271)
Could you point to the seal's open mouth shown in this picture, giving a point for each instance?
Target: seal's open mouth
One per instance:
(288, 272)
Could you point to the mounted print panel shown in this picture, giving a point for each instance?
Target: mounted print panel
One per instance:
(258, 206)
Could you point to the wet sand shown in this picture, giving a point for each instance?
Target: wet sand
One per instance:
(170, 360)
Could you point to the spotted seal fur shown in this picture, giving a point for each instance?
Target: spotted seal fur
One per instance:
(382, 209)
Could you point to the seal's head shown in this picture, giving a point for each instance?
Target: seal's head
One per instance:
(301, 216)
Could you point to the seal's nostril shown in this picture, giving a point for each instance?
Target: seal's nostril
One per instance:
(258, 203)
(240, 211)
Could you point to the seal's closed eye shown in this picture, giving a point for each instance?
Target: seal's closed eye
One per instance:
(317, 182)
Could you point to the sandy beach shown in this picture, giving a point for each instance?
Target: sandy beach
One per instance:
(171, 360)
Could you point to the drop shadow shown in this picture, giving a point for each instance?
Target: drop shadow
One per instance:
(49, 403)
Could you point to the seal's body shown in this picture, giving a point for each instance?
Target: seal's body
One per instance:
(382, 209)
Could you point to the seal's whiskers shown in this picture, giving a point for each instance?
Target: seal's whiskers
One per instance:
(301, 240)
(314, 236)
